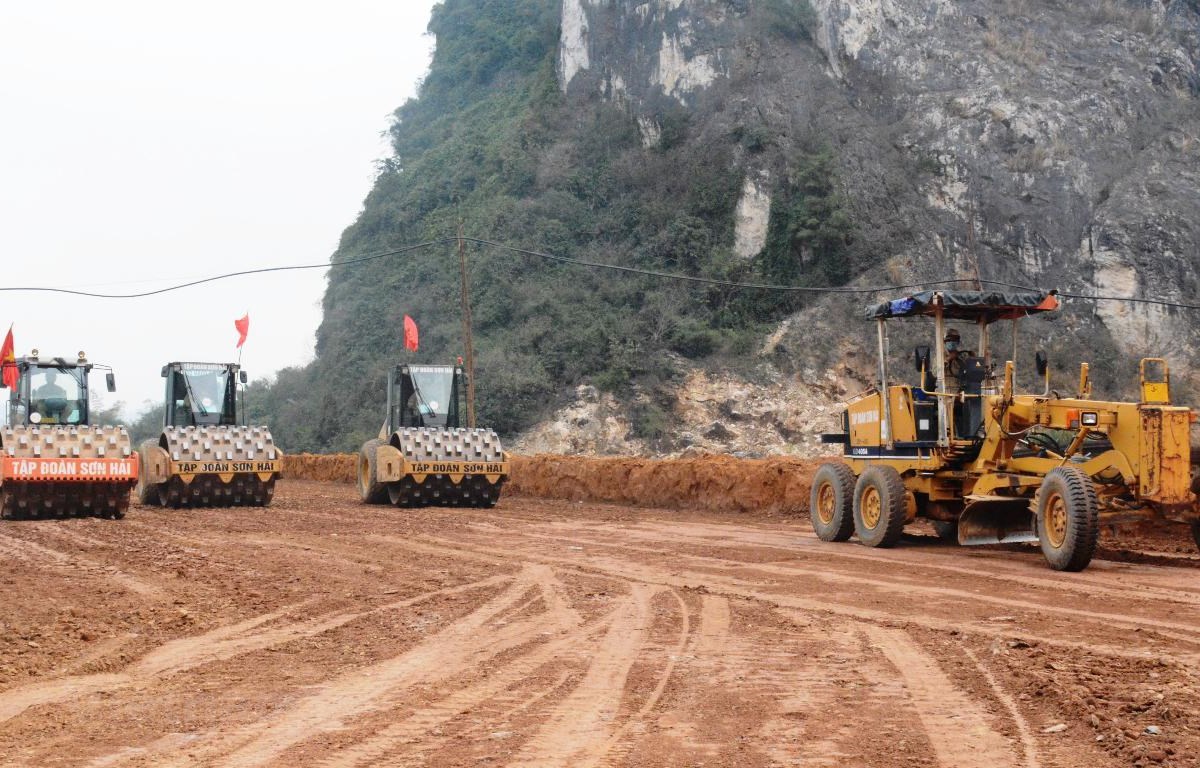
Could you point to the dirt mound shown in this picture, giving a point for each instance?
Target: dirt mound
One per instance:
(713, 483)
(329, 468)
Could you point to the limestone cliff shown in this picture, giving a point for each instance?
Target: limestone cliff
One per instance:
(811, 143)
(1054, 144)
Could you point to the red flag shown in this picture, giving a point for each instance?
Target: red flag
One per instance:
(410, 334)
(8, 361)
(243, 327)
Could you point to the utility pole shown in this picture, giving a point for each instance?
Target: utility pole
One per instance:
(971, 244)
(468, 345)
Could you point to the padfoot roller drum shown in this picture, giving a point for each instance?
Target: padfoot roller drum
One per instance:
(433, 467)
(65, 471)
(210, 466)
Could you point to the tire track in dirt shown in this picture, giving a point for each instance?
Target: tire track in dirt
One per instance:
(175, 654)
(193, 651)
(98, 651)
(1028, 742)
(415, 735)
(734, 587)
(1001, 565)
(801, 677)
(53, 560)
(65, 531)
(438, 657)
(956, 725)
(615, 748)
(579, 728)
(713, 633)
(792, 546)
(904, 585)
(214, 550)
(807, 724)
(706, 655)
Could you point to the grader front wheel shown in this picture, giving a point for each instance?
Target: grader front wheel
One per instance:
(879, 507)
(831, 503)
(1068, 519)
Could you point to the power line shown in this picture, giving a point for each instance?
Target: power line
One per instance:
(227, 275)
(810, 289)
(712, 280)
(593, 265)
(1131, 299)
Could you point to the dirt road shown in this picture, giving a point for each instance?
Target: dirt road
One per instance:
(552, 633)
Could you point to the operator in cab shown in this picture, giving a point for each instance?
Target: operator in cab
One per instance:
(50, 400)
(955, 354)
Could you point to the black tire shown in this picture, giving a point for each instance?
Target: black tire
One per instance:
(879, 521)
(149, 495)
(1068, 519)
(9, 510)
(396, 494)
(1196, 532)
(264, 492)
(370, 490)
(947, 530)
(831, 503)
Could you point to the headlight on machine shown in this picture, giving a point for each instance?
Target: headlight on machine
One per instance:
(1089, 418)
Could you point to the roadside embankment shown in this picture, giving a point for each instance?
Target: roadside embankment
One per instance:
(711, 482)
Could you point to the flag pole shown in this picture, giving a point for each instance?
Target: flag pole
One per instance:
(239, 362)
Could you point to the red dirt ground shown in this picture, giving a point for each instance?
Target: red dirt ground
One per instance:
(575, 633)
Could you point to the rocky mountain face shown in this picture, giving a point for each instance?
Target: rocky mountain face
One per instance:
(1033, 142)
(806, 143)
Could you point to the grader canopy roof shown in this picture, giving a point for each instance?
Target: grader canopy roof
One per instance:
(967, 305)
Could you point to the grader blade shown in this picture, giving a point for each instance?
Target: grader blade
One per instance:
(996, 520)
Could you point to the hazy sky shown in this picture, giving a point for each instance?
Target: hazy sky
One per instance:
(146, 143)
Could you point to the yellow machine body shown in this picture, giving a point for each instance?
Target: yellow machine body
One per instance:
(976, 458)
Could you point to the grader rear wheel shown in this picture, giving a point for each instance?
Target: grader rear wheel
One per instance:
(1196, 532)
(831, 503)
(1068, 519)
(879, 506)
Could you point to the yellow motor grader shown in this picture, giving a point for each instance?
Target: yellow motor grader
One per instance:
(424, 456)
(55, 460)
(989, 465)
(205, 456)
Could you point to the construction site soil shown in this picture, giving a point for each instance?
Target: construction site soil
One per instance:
(712, 630)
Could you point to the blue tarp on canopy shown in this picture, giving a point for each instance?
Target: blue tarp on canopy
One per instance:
(971, 305)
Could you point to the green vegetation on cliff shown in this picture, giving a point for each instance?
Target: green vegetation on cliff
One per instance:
(494, 143)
